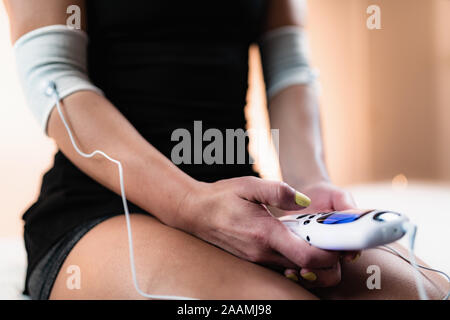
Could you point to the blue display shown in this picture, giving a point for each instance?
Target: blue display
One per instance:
(339, 218)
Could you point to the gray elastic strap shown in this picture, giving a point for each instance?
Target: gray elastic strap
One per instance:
(285, 59)
(53, 53)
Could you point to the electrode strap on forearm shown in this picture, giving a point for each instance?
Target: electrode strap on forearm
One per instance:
(285, 59)
(52, 53)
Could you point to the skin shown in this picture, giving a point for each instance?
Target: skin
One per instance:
(208, 240)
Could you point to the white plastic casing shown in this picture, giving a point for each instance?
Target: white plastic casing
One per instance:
(371, 229)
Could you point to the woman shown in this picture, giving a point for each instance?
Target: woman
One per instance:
(199, 230)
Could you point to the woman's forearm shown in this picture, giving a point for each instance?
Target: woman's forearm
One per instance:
(295, 112)
(151, 180)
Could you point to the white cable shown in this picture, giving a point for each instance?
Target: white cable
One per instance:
(420, 266)
(51, 90)
(411, 231)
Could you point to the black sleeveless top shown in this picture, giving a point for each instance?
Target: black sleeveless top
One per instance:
(164, 64)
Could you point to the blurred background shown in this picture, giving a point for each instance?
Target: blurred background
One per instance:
(385, 108)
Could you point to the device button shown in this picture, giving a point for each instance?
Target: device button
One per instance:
(386, 216)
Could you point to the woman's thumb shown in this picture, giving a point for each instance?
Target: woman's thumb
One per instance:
(273, 193)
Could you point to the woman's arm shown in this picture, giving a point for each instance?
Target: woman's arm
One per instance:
(295, 112)
(151, 180)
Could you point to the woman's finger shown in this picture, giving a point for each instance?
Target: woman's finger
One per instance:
(292, 274)
(278, 262)
(350, 256)
(297, 250)
(273, 193)
(343, 200)
(324, 277)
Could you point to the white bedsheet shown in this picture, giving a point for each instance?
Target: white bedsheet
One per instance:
(12, 268)
(426, 205)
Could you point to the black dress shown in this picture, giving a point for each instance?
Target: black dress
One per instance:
(164, 64)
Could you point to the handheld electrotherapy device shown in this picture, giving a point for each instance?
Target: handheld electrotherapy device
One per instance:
(349, 229)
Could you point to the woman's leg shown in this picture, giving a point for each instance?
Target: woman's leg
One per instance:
(168, 262)
(396, 278)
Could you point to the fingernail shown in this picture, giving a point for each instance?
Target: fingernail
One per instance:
(301, 199)
(292, 276)
(310, 276)
(356, 257)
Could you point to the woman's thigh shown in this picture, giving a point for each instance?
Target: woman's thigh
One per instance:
(380, 274)
(168, 262)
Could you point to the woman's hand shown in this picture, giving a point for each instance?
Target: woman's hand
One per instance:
(325, 197)
(232, 214)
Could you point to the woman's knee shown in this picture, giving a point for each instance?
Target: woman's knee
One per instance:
(380, 274)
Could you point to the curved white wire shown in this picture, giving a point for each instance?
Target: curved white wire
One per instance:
(52, 91)
(420, 266)
(411, 231)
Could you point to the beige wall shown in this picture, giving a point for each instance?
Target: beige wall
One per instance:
(442, 71)
(386, 97)
(339, 45)
(403, 102)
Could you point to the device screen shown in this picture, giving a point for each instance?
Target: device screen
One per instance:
(339, 217)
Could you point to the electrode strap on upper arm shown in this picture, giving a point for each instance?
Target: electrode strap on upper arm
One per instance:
(52, 53)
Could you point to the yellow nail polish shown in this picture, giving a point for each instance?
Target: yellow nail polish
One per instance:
(356, 257)
(292, 276)
(310, 276)
(302, 200)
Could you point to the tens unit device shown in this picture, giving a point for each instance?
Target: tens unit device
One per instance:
(349, 229)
